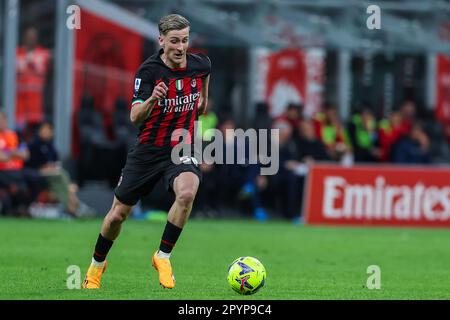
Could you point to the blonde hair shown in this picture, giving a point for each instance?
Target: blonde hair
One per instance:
(172, 22)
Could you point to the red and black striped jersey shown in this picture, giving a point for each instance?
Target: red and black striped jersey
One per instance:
(179, 109)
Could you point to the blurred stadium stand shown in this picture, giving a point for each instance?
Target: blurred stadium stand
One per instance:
(266, 55)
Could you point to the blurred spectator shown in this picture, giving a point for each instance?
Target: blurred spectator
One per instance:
(262, 118)
(413, 148)
(95, 144)
(292, 115)
(42, 152)
(12, 157)
(32, 69)
(408, 114)
(439, 147)
(207, 199)
(44, 157)
(208, 121)
(238, 180)
(254, 185)
(262, 121)
(123, 130)
(390, 131)
(230, 176)
(364, 136)
(332, 133)
(310, 149)
(285, 184)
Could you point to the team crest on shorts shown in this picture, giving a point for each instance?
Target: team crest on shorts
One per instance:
(193, 82)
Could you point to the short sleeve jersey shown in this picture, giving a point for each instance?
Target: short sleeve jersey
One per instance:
(179, 109)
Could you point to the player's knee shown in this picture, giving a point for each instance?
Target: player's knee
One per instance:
(118, 217)
(119, 214)
(186, 197)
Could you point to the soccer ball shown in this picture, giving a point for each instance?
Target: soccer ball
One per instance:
(246, 275)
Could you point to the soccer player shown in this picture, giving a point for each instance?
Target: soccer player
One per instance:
(170, 89)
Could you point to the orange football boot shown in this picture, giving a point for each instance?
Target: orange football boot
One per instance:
(164, 268)
(93, 275)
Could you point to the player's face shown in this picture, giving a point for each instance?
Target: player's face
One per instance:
(175, 44)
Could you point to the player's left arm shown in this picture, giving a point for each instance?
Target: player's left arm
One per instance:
(203, 103)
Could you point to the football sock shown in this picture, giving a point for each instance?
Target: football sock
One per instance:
(102, 248)
(162, 255)
(169, 239)
(97, 264)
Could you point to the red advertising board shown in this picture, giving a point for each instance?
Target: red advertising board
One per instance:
(378, 195)
(290, 76)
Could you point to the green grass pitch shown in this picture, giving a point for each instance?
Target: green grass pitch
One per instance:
(302, 262)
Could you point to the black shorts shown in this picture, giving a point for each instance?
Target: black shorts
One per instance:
(143, 170)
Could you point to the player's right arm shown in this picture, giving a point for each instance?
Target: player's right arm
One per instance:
(141, 110)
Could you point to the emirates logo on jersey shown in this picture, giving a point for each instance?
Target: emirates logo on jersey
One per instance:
(179, 100)
(179, 104)
(179, 84)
